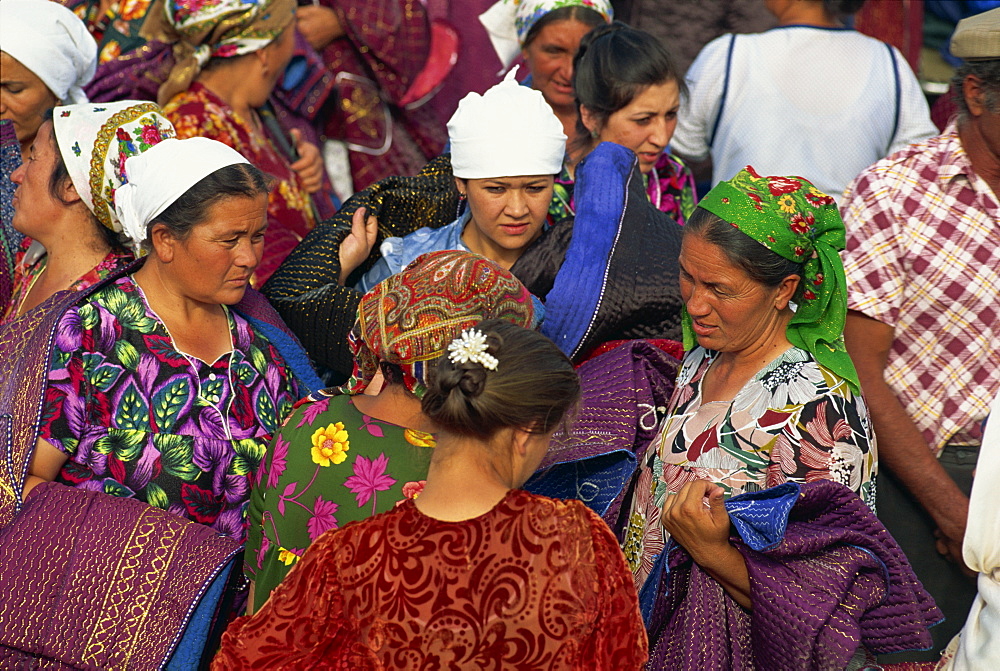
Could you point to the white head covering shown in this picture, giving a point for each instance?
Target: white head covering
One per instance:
(508, 131)
(509, 21)
(158, 177)
(52, 42)
(96, 138)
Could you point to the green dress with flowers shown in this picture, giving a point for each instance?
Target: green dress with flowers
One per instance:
(330, 464)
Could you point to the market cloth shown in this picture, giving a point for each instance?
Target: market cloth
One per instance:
(602, 283)
(164, 173)
(798, 222)
(10, 239)
(614, 422)
(95, 139)
(509, 131)
(51, 42)
(825, 578)
(410, 318)
(220, 29)
(508, 22)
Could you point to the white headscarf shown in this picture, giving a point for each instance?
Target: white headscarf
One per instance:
(509, 21)
(52, 42)
(95, 139)
(508, 131)
(164, 173)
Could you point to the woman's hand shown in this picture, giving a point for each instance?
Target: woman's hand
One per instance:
(358, 245)
(310, 164)
(319, 25)
(697, 519)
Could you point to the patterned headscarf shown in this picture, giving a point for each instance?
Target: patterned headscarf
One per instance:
(797, 221)
(96, 138)
(219, 29)
(410, 318)
(508, 22)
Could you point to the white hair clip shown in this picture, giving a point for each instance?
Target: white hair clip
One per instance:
(471, 346)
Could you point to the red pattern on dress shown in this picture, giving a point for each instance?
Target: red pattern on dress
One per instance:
(535, 583)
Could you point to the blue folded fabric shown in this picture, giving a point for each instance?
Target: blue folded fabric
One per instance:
(596, 481)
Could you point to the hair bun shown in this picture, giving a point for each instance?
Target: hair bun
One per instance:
(473, 379)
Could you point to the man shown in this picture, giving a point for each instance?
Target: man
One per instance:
(923, 327)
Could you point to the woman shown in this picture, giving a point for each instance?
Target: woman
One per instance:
(546, 34)
(506, 145)
(766, 396)
(57, 206)
(47, 58)
(228, 59)
(504, 578)
(348, 456)
(741, 84)
(156, 389)
(629, 90)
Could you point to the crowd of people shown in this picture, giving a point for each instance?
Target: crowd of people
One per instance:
(308, 362)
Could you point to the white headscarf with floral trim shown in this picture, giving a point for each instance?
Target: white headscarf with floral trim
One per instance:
(95, 139)
(509, 21)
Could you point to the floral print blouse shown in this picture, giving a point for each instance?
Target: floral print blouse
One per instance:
(140, 419)
(329, 465)
(669, 185)
(795, 421)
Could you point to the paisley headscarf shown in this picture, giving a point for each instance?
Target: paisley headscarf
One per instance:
(508, 22)
(207, 29)
(95, 139)
(797, 221)
(410, 318)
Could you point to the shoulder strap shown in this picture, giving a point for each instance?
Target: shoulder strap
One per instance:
(725, 90)
(895, 119)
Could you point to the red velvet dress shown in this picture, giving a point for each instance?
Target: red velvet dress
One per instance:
(535, 583)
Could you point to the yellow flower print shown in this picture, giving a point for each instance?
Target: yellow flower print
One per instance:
(786, 203)
(419, 438)
(330, 445)
(287, 557)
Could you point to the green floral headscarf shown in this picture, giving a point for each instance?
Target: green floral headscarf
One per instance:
(797, 221)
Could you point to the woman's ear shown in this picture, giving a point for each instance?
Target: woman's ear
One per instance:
(786, 291)
(462, 186)
(68, 193)
(162, 243)
(520, 439)
(590, 120)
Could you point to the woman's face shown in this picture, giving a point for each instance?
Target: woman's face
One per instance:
(645, 125)
(277, 55)
(730, 311)
(23, 98)
(213, 264)
(549, 57)
(507, 214)
(34, 204)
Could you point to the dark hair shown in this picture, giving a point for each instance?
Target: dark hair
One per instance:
(59, 177)
(585, 15)
(988, 72)
(238, 180)
(614, 64)
(843, 7)
(532, 388)
(392, 373)
(759, 262)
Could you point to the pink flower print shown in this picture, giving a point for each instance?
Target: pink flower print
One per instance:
(412, 490)
(150, 134)
(369, 477)
(278, 463)
(312, 410)
(322, 519)
(782, 185)
(225, 51)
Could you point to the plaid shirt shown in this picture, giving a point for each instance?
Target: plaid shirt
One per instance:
(923, 256)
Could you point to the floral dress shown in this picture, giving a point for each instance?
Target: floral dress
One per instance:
(329, 465)
(795, 421)
(138, 418)
(198, 112)
(25, 275)
(669, 185)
